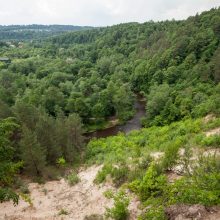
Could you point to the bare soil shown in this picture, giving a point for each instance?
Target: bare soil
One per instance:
(85, 198)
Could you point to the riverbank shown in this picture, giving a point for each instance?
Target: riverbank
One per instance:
(114, 125)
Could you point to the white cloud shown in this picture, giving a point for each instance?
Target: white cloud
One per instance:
(98, 12)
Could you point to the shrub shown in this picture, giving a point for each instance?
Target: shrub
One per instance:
(202, 186)
(152, 184)
(61, 161)
(119, 175)
(63, 212)
(24, 189)
(154, 213)
(145, 161)
(102, 174)
(120, 209)
(51, 173)
(171, 155)
(73, 179)
(213, 141)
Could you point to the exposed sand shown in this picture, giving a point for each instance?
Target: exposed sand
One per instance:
(85, 198)
(215, 131)
(81, 200)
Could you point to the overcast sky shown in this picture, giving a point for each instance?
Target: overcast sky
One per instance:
(98, 12)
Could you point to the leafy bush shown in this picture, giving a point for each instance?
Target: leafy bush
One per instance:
(171, 155)
(152, 184)
(154, 213)
(213, 140)
(61, 161)
(73, 179)
(120, 209)
(202, 187)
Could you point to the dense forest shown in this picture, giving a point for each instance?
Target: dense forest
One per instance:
(31, 32)
(52, 91)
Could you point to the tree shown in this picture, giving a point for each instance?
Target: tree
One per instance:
(123, 102)
(74, 136)
(33, 155)
(8, 168)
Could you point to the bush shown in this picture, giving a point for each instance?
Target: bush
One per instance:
(73, 179)
(119, 175)
(171, 155)
(102, 174)
(120, 209)
(154, 213)
(213, 141)
(63, 212)
(61, 162)
(152, 184)
(201, 187)
(24, 189)
(51, 173)
(145, 161)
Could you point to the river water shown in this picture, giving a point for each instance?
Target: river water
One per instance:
(132, 124)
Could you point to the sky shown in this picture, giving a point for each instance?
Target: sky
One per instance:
(98, 12)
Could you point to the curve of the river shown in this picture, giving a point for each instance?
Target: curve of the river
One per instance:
(132, 124)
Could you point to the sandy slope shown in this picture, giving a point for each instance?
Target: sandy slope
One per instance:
(80, 200)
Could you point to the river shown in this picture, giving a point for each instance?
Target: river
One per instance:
(132, 124)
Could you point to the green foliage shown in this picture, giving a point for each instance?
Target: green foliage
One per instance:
(201, 187)
(8, 194)
(33, 154)
(102, 174)
(94, 73)
(120, 208)
(152, 184)
(171, 155)
(118, 173)
(61, 161)
(138, 144)
(73, 179)
(24, 189)
(154, 213)
(211, 141)
(52, 87)
(63, 212)
(8, 168)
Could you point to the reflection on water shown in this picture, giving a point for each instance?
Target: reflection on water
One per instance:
(132, 124)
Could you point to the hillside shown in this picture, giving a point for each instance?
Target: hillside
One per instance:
(54, 91)
(34, 32)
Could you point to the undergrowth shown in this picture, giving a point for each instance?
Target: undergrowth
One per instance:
(128, 160)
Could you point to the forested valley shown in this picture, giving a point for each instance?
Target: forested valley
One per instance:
(56, 89)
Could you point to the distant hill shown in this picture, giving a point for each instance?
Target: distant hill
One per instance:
(31, 32)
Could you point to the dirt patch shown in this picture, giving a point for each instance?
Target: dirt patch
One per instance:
(56, 200)
(187, 212)
(57, 197)
(157, 155)
(215, 131)
(173, 176)
(208, 118)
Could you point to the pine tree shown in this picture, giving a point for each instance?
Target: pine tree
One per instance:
(75, 137)
(33, 155)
